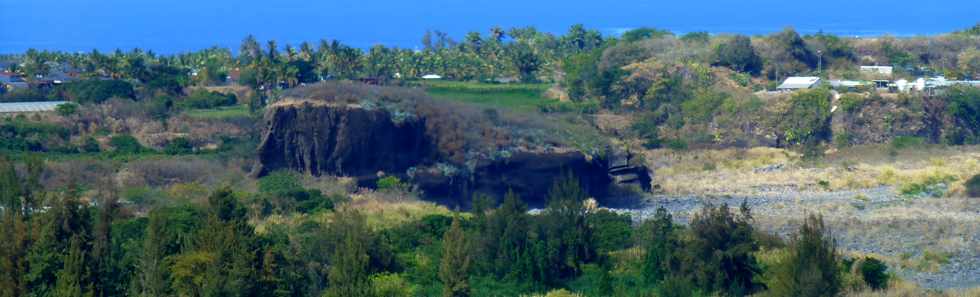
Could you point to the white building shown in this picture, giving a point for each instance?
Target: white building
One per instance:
(799, 83)
(883, 70)
(38, 106)
(847, 84)
(431, 76)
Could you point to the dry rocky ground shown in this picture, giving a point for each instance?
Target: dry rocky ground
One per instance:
(862, 193)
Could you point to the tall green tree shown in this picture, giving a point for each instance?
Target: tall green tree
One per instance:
(66, 220)
(103, 274)
(813, 266)
(72, 279)
(719, 255)
(739, 55)
(11, 193)
(455, 267)
(153, 277)
(350, 265)
(524, 60)
(229, 240)
(14, 244)
(504, 240)
(661, 248)
(564, 235)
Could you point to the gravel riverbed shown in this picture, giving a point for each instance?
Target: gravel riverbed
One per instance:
(901, 229)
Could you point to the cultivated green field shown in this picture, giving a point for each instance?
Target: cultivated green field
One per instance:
(226, 112)
(516, 97)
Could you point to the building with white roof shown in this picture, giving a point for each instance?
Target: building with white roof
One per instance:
(799, 83)
(883, 70)
(20, 107)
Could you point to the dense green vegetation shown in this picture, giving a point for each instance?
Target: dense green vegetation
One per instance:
(97, 91)
(56, 244)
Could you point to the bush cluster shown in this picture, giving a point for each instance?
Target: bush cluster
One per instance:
(203, 99)
(97, 91)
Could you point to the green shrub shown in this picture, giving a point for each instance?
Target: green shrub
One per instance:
(678, 286)
(390, 183)
(973, 186)
(719, 251)
(159, 107)
(178, 146)
(850, 103)
(142, 196)
(66, 109)
(738, 54)
(23, 135)
(873, 271)
(203, 99)
(807, 122)
(964, 105)
(677, 144)
(611, 231)
(702, 107)
(392, 284)
(644, 33)
(284, 191)
(97, 91)
(90, 145)
(813, 265)
(935, 186)
(842, 140)
(312, 200)
(905, 142)
(280, 183)
(126, 144)
(647, 129)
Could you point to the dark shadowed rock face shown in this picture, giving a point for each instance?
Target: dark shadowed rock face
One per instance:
(342, 140)
(528, 174)
(348, 140)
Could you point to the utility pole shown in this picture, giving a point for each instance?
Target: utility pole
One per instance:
(819, 62)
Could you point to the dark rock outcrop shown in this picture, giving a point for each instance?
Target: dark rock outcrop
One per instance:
(528, 174)
(346, 139)
(341, 139)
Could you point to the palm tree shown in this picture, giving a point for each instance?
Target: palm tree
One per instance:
(273, 50)
(497, 33)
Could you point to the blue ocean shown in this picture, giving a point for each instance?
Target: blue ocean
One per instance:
(174, 26)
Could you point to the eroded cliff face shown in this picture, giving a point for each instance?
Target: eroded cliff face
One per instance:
(346, 140)
(529, 174)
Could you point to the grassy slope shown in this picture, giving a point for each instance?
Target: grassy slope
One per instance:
(226, 112)
(516, 97)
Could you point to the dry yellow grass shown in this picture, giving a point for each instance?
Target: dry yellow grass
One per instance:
(734, 171)
(382, 210)
(907, 289)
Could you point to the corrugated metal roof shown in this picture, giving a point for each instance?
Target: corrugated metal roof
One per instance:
(14, 107)
(799, 82)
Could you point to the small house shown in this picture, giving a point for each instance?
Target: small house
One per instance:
(880, 70)
(799, 83)
(849, 85)
(431, 76)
